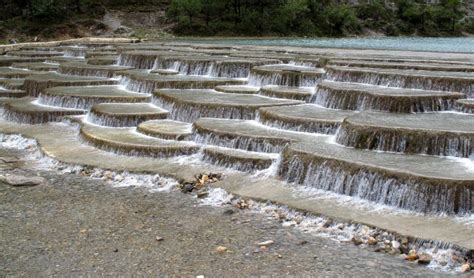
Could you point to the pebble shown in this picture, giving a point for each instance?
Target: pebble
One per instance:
(158, 238)
(356, 241)
(465, 268)
(265, 243)
(187, 188)
(229, 211)
(412, 256)
(221, 249)
(372, 241)
(395, 244)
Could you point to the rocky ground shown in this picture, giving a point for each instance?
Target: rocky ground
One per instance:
(74, 225)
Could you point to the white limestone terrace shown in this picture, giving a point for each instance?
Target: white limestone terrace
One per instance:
(331, 132)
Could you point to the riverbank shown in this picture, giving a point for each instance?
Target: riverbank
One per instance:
(78, 225)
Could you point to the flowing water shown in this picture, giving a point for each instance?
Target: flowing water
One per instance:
(356, 133)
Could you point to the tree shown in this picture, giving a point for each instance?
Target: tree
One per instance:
(189, 8)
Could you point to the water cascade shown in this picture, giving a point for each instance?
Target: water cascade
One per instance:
(379, 128)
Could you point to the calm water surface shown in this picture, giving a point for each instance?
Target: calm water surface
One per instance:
(465, 45)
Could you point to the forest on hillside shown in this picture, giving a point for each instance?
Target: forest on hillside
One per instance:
(249, 17)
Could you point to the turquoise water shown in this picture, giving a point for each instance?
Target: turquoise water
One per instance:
(465, 45)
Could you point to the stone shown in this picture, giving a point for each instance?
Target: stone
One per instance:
(229, 212)
(158, 238)
(9, 160)
(303, 242)
(404, 249)
(395, 244)
(412, 256)
(372, 241)
(202, 194)
(265, 243)
(394, 251)
(221, 249)
(465, 268)
(188, 187)
(424, 259)
(15, 180)
(356, 241)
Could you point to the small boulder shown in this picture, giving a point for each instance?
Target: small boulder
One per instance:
(372, 241)
(15, 180)
(465, 268)
(424, 259)
(188, 187)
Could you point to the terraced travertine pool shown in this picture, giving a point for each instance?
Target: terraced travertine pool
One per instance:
(340, 133)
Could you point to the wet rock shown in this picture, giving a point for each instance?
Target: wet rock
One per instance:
(266, 243)
(465, 268)
(187, 188)
(303, 242)
(9, 160)
(242, 204)
(394, 251)
(16, 180)
(202, 194)
(412, 256)
(424, 259)
(119, 178)
(229, 212)
(328, 223)
(396, 244)
(404, 249)
(356, 241)
(372, 241)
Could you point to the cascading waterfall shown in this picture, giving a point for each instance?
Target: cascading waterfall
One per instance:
(78, 52)
(136, 61)
(374, 138)
(136, 85)
(249, 165)
(310, 127)
(348, 100)
(289, 79)
(78, 102)
(206, 68)
(186, 112)
(406, 193)
(243, 143)
(9, 114)
(104, 120)
(435, 83)
(84, 71)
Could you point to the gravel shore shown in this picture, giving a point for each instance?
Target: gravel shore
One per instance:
(73, 225)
